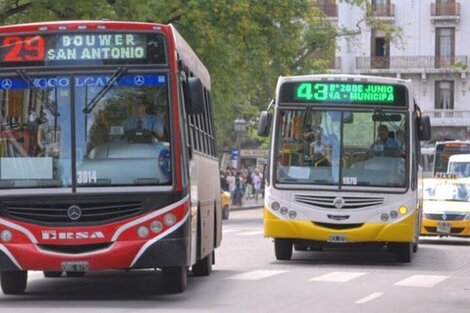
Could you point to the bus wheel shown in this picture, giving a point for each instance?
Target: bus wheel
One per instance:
(415, 247)
(283, 249)
(75, 274)
(203, 267)
(403, 251)
(13, 282)
(52, 274)
(225, 212)
(175, 279)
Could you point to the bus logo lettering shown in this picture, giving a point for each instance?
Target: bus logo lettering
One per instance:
(79, 235)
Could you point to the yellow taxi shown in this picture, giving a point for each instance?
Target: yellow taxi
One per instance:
(446, 207)
(226, 199)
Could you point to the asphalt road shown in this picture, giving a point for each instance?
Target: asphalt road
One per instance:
(248, 278)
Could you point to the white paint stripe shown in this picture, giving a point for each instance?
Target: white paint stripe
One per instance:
(256, 275)
(251, 233)
(339, 277)
(425, 281)
(370, 297)
(20, 229)
(226, 231)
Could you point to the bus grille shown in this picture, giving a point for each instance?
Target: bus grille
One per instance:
(59, 213)
(453, 230)
(327, 202)
(448, 217)
(72, 249)
(338, 226)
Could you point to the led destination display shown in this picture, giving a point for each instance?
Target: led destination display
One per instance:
(344, 92)
(77, 48)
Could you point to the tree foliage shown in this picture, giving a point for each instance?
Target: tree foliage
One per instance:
(245, 44)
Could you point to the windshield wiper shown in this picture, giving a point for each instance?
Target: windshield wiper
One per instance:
(111, 82)
(50, 105)
(386, 117)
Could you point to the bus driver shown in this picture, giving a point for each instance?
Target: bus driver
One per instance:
(141, 122)
(385, 146)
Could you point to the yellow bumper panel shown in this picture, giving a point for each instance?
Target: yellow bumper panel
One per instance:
(403, 231)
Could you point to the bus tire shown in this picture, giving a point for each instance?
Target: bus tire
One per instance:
(52, 274)
(225, 212)
(403, 251)
(203, 267)
(13, 282)
(175, 279)
(415, 247)
(283, 249)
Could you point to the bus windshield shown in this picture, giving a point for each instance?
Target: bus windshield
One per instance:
(109, 134)
(447, 190)
(328, 147)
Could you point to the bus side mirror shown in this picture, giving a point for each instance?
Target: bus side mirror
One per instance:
(264, 124)
(424, 128)
(194, 96)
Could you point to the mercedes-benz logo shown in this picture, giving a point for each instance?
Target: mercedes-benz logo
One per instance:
(338, 202)
(74, 212)
(139, 80)
(444, 217)
(7, 83)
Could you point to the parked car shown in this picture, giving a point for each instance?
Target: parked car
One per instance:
(446, 207)
(226, 199)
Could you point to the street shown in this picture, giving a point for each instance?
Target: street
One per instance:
(248, 278)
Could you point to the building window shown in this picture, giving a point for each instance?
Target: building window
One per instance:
(444, 95)
(445, 47)
(380, 50)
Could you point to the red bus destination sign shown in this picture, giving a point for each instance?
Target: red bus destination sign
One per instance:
(58, 49)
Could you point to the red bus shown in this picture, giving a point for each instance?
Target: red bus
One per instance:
(106, 138)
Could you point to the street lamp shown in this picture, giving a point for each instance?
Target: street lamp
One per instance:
(239, 125)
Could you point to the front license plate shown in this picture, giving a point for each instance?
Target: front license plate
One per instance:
(443, 227)
(338, 238)
(75, 266)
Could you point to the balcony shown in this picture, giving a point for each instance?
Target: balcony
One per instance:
(383, 11)
(449, 117)
(445, 12)
(412, 64)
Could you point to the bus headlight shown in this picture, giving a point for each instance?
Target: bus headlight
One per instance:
(156, 226)
(169, 219)
(292, 214)
(393, 214)
(284, 210)
(402, 210)
(384, 217)
(142, 231)
(6, 235)
(275, 206)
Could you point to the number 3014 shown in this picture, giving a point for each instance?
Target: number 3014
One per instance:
(86, 177)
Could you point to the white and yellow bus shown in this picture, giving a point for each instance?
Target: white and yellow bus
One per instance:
(331, 181)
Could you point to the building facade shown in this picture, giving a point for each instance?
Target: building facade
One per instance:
(433, 54)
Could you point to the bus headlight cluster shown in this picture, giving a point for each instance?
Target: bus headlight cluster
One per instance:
(157, 226)
(275, 206)
(6, 235)
(402, 210)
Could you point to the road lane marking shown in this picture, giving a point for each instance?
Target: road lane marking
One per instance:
(425, 281)
(370, 297)
(256, 275)
(339, 277)
(251, 233)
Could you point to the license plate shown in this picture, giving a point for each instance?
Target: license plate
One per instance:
(75, 266)
(443, 227)
(338, 238)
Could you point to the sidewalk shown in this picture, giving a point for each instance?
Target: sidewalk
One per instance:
(249, 204)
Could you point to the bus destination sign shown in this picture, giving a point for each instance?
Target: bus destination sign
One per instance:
(77, 48)
(344, 92)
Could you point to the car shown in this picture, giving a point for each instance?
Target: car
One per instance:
(446, 207)
(226, 199)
